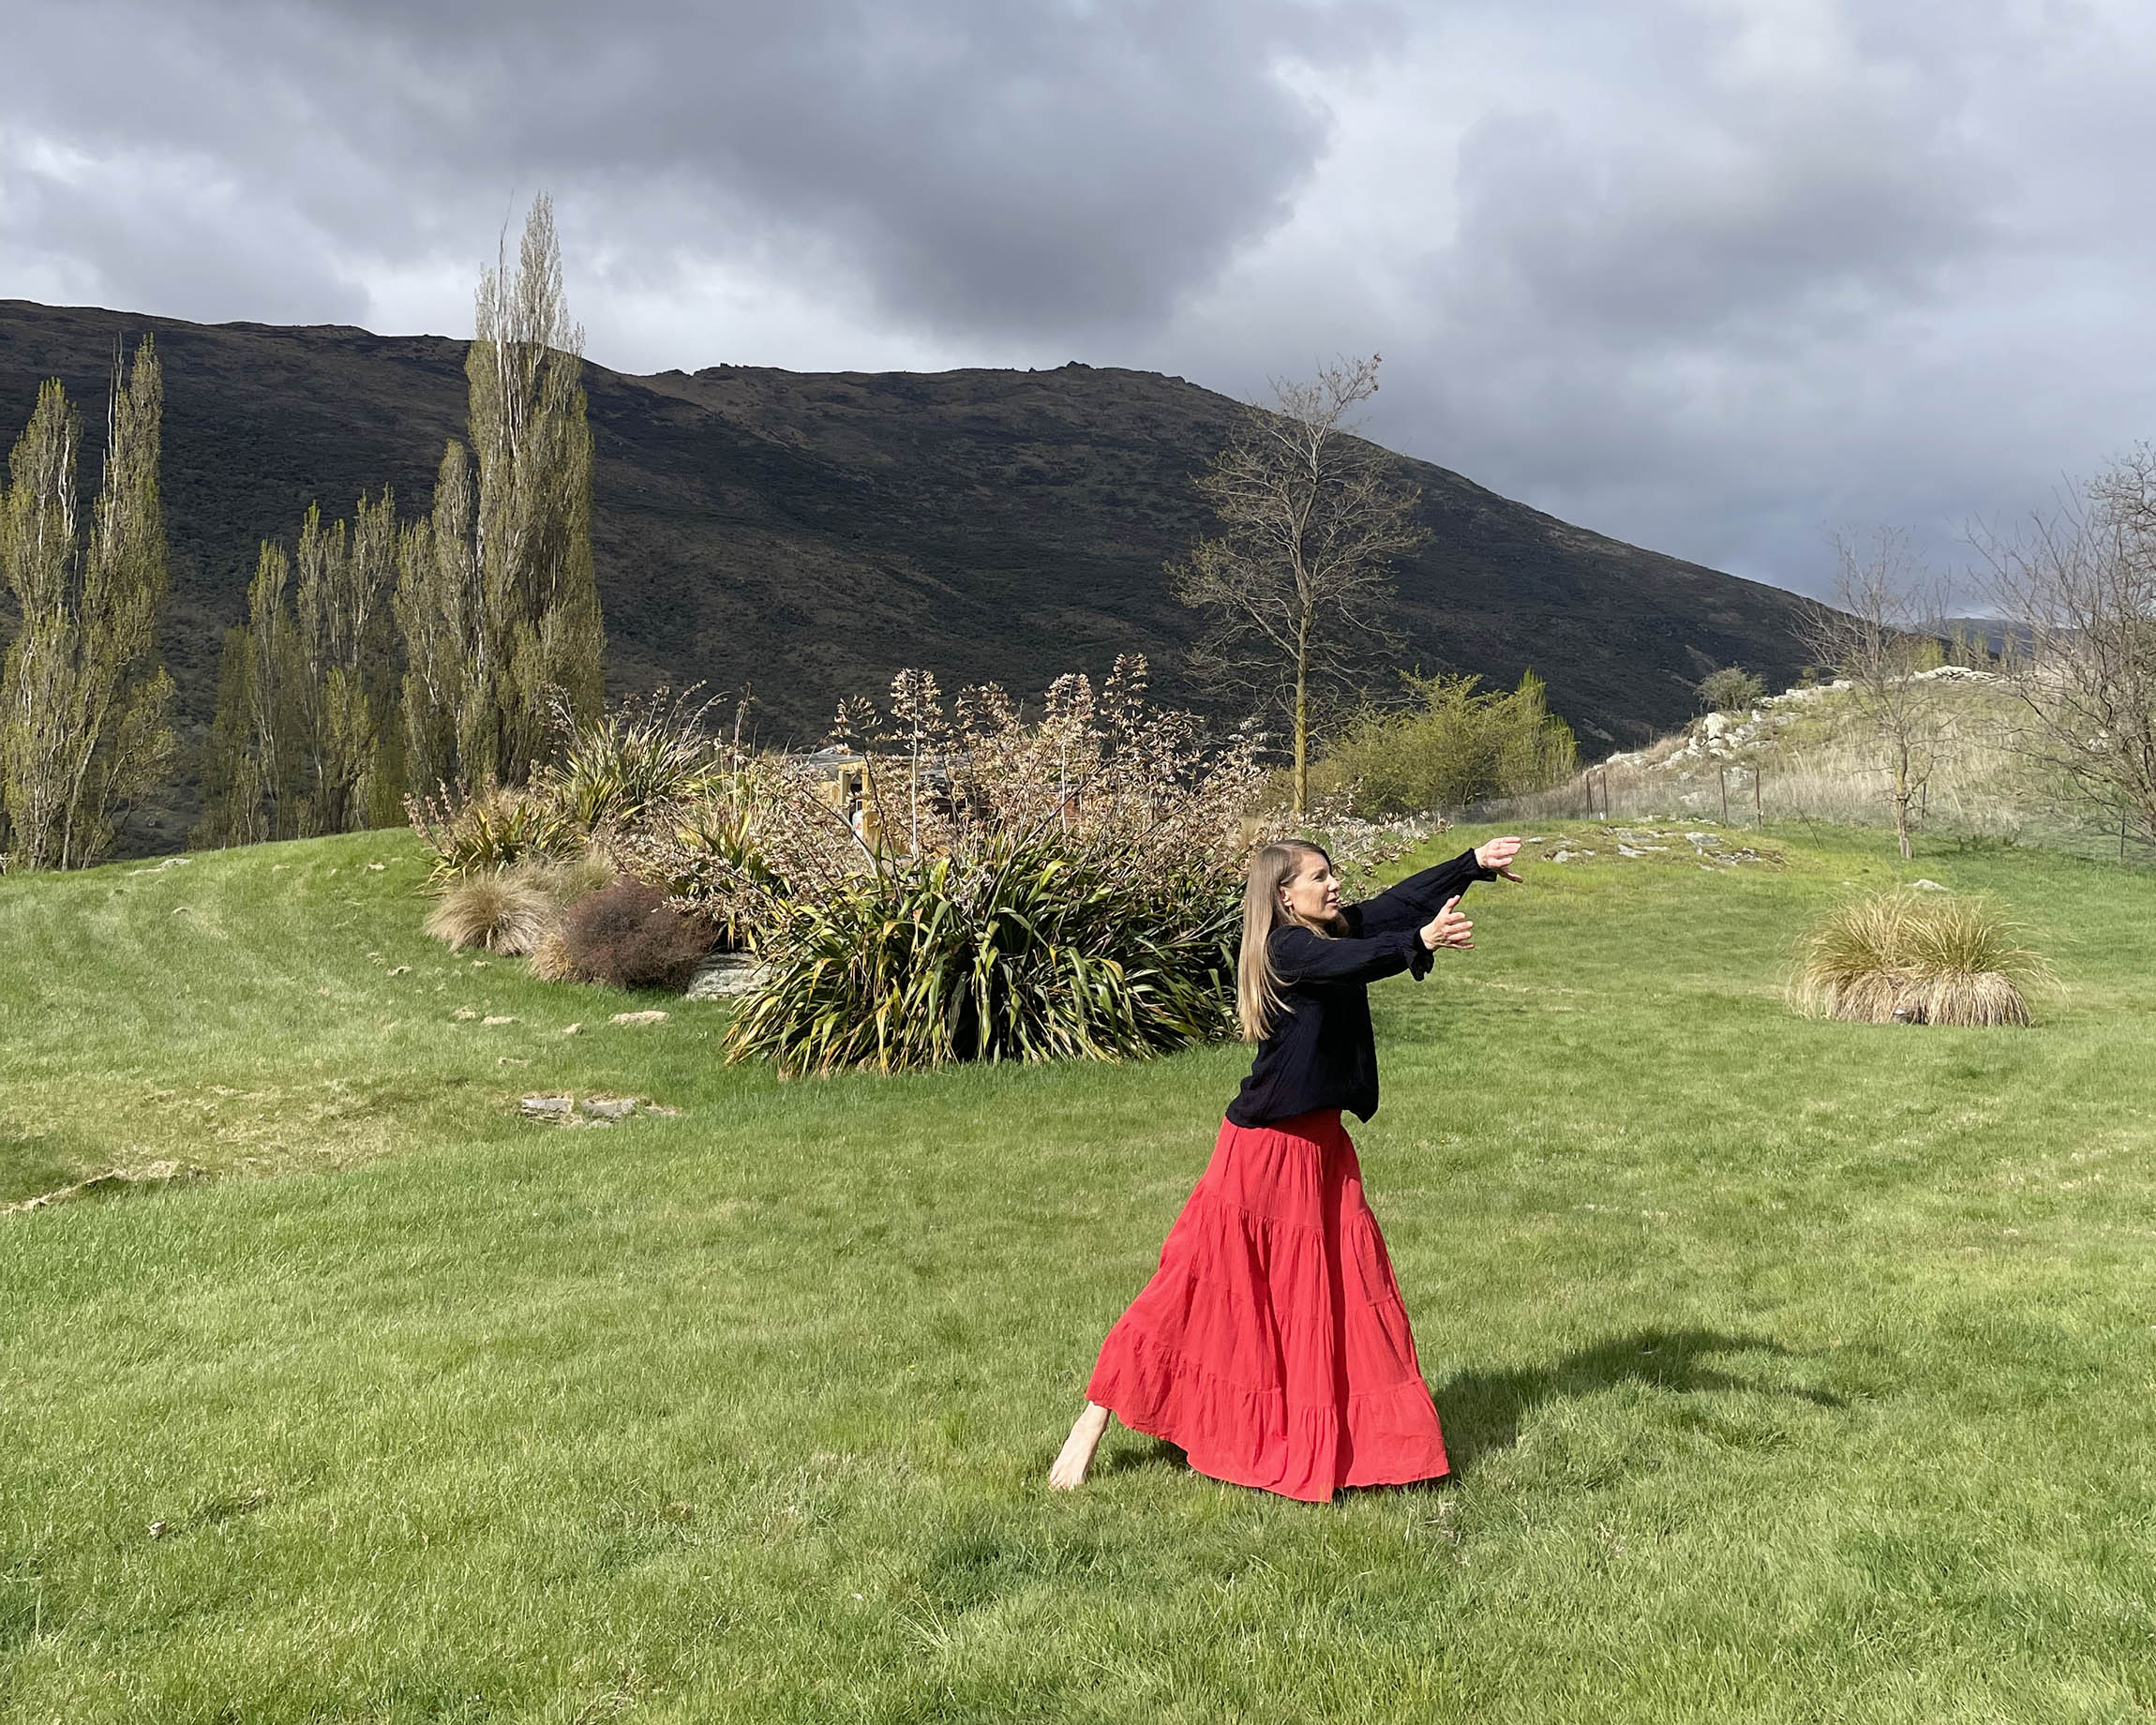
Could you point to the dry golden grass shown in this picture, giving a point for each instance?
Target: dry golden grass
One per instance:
(551, 960)
(1910, 956)
(505, 913)
(569, 878)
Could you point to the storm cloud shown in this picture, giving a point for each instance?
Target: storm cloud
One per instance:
(1710, 275)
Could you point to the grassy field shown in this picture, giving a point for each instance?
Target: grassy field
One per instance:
(1793, 1371)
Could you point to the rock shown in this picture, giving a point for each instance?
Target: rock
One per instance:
(1715, 723)
(725, 976)
(464, 1013)
(497, 1019)
(610, 1108)
(549, 1108)
(574, 1029)
(1928, 886)
(633, 1019)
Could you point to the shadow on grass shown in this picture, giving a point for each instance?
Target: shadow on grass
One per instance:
(1482, 1411)
(1147, 1452)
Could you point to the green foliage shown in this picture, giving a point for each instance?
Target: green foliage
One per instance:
(496, 596)
(1913, 957)
(1731, 689)
(491, 830)
(1455, 746)
(1018, 949)
(634, 764)
(307, 734)
(85, 708)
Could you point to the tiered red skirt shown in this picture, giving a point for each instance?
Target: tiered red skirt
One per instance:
(1271, 1347)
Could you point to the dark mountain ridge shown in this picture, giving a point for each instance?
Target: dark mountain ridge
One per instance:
(805, 535)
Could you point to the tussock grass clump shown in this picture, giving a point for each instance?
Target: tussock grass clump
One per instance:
(629, 935)
(504, 912)
(567, 880)
(1917, 957)
(552, 961)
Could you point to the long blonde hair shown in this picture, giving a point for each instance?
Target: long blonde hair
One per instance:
(1258, 1000)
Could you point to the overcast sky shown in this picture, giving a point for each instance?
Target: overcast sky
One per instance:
(1714, 276)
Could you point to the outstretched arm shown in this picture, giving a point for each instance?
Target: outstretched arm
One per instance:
(1301, 955)
(1418, 898)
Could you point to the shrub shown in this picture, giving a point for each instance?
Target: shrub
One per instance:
(634, 764)
(1454, 747)
(501, 912)
(629, 935)
(1015, 888)
(488, 830)
(1731, 689)
(1917, 957)
(1018, 949)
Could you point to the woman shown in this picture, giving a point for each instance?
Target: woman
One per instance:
(1271, 1345)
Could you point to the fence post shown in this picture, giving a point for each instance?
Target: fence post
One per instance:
(1759, 800)
(1725, 772)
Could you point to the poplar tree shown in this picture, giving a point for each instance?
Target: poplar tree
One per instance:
(436, 604)
(497, 601)
(85, 709)
(305, 738)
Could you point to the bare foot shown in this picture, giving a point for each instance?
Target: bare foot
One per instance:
(1069, 1473)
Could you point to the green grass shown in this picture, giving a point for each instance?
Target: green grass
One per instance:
(1793, 1371)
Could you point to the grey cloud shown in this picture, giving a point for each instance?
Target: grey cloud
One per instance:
(979, 165)
(1711, 274)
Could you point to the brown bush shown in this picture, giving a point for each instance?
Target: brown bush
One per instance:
(500, 912)
(627, 936)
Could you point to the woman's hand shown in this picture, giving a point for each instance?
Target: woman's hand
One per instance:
(1497, 856)
(1448, 928)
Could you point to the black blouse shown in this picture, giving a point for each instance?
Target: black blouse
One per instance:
(1320, 1053)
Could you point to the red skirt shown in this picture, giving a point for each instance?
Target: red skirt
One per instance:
(1271, 1347)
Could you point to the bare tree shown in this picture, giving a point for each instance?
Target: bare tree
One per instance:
(1297, 582)
(1878, 634)
(2078, 590)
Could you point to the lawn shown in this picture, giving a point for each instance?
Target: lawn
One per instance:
(1791, 1370)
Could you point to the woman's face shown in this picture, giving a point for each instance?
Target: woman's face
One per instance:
(1313, 892)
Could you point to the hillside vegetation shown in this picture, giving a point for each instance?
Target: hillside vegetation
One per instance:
(1813, 760)
(1793, 1371)
(809, 534)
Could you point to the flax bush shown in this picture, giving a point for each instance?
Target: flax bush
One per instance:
(484, 832)
(1017, 948)
(1917, 957)
(1015, 889)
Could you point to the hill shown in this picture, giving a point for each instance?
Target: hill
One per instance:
(808, 534)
